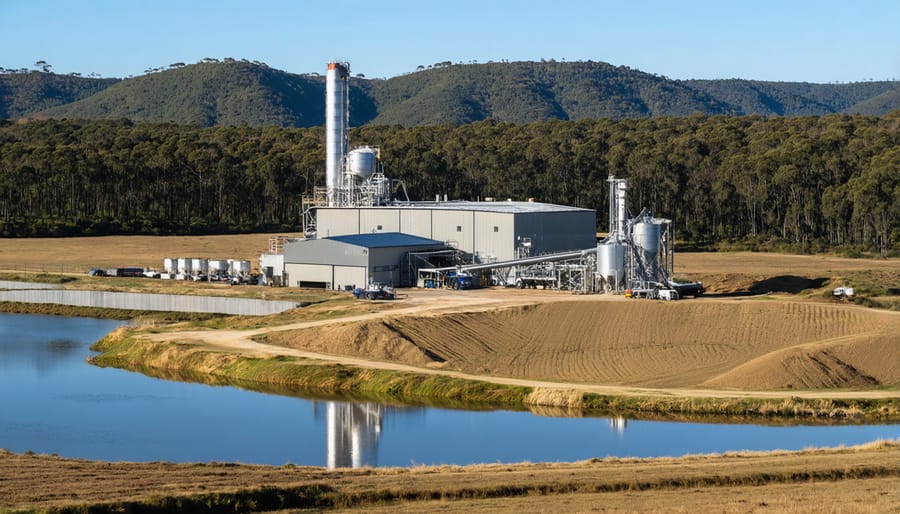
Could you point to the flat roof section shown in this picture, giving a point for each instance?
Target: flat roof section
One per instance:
(384, 240)
(462, 205)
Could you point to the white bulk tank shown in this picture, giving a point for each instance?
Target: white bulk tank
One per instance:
(611, 265)
(362, 162)
(646, 236)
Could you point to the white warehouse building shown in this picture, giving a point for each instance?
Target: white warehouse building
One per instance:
(487, 231)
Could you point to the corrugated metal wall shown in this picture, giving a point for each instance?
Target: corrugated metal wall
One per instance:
(495, 236)
(416, 222)
(379, 220)
(7, 284)
(150, 302)
(557, 231)
(457, 226)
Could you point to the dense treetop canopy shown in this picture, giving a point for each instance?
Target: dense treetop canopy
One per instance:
(808, 183)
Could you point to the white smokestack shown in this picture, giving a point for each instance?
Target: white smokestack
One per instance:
(337, 121)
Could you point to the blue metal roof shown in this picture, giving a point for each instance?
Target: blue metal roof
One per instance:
(384, 240)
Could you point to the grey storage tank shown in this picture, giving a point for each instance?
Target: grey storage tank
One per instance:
(362, 162)
(611, 265)
(645, 235)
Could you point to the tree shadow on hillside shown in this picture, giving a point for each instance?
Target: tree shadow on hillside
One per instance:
(791, 284)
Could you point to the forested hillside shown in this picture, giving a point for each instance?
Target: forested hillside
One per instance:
(22, 94)
(232, 92)
(799, 98)
(213, 93)
(810, 182)
(522, 92)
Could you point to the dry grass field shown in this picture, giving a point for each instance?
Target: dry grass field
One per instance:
(82, 253)
(864, 479)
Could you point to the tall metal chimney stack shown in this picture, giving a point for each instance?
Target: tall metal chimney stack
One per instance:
(337, 122)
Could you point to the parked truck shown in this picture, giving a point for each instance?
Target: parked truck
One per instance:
(375, 291)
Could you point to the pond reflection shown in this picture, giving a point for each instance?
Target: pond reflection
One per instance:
(353, 430)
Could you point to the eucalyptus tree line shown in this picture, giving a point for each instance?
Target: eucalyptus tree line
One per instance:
(810, 182)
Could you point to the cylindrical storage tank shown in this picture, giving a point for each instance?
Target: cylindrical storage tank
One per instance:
(611, 265)
(218, 266)
(362, 161)
(646, 236)
(184, 265)
(170, 265)
(200, 266)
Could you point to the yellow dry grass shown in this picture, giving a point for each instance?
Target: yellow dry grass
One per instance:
(72, 253)
(861, 479)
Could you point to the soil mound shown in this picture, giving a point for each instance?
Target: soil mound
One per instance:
(737, 344)
(863, 361)
(371, 339)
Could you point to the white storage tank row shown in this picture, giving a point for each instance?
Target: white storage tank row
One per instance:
(199, 266)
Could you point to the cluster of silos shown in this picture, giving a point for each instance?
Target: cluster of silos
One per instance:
(633, 255)
(195, 268)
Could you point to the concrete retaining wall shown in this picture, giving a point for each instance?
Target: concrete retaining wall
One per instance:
(8, 284)
(150, 302)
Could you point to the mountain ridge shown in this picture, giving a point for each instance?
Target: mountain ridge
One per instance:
(252, 93)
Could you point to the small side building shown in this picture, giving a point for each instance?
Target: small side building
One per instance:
(348, 261)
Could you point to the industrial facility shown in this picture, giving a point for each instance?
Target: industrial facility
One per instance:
(362, 228)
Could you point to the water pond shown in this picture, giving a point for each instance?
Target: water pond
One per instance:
(53, 401)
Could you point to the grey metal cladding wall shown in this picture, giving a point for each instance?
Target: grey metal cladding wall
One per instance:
(499, 244)
(337, 221)
(391, 256)
(416, 222)
(150, 302)
(558, 231)
(7, 284)
(454, 225)
(371, 219)
(325, 251)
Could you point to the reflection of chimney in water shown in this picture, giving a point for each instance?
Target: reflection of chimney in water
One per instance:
(353, 432)
(618, 425)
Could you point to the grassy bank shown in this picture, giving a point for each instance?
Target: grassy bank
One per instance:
(122, 351)
(296, 376)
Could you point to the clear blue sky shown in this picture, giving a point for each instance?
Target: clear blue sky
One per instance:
(790, 40)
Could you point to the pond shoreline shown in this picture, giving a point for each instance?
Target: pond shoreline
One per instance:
(297, 375)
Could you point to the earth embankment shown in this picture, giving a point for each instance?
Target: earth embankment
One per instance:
(758, 345)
